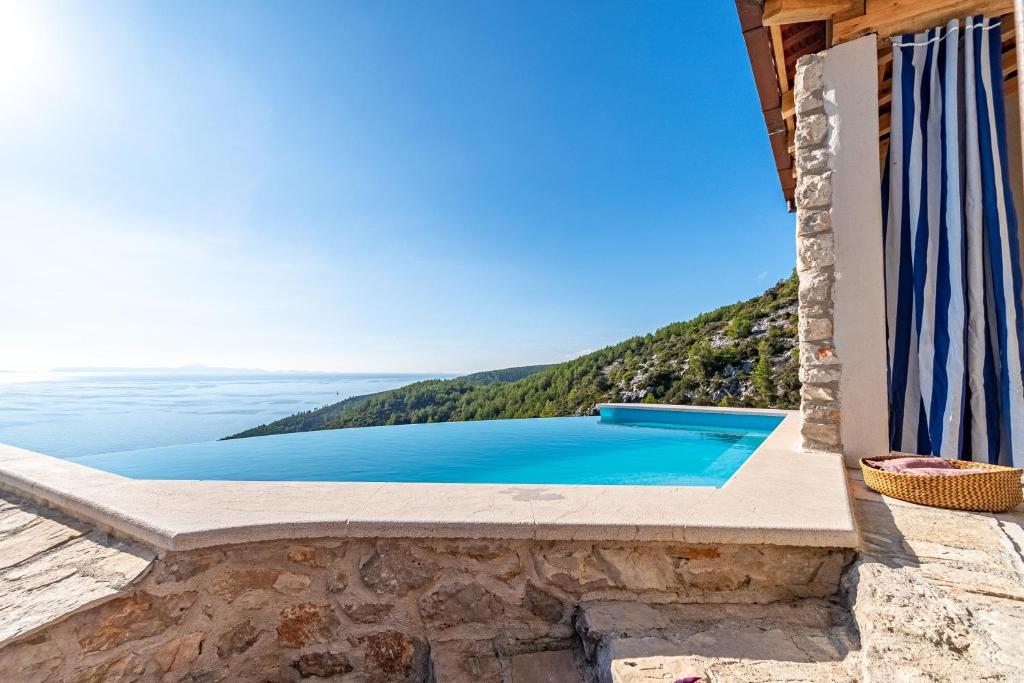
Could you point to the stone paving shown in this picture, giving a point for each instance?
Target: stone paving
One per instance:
(52, 566)
(934, 595)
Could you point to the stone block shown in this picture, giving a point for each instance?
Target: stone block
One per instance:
(812, 160)
(392, 569)
(558, 666)
(811, 131)
(599, 620)
(543, 604)
(815, 329)
(817, 353)
(126, 669)
(814, 190)
(810, 221)
(178, 653)
(367, 612)
(815, 252)
(291, 584)
(322, 664)
(307, 623)
(337, 581)
(461, 603)
(465, 661)
(821, 433)
(820, 374)
(808, 101)
(136, 617)
(250, 601)
(590, 568)
(827, 413)
(33, 661)
(392, 656)
(810, 75)
(815, 285)
(235, 582)
(177, 569)
(820, 394)
(313, 556)
(238, 639)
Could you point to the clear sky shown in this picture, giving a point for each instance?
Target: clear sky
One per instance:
(373, 186)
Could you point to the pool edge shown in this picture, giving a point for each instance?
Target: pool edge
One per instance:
(779, 496)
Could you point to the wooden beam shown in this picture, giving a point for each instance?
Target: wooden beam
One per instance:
(1012, 85)
(780, 58)
(888, 18)
(797, 11)
(788, 105)
(856, 9)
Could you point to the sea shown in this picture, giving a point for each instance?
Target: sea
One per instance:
(76, 413)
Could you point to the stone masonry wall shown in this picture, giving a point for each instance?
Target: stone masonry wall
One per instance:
(820, 368)
(376, 611)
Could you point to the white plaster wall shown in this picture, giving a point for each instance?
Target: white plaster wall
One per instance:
(851, 103)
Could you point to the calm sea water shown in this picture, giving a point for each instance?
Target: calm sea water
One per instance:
(636, 447)
(77, 414)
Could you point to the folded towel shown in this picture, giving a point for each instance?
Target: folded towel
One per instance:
(941, 471)
(924, 466)
(904, 464)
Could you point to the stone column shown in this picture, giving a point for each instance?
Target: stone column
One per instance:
(844, 399)
(820, 369)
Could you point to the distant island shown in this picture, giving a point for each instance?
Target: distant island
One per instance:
(181, 369)
(741, 355)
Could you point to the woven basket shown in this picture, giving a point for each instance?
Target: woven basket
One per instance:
(997, 489)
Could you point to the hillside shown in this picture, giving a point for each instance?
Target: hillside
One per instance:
(318, 418)
(743, 354)
(503, 375)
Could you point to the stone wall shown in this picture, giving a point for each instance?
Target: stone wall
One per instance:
(820, 368)
(391, 610)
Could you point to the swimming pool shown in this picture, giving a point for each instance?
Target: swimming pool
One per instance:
(624, 446)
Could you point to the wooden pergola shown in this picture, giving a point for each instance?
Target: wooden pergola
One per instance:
(778, 32)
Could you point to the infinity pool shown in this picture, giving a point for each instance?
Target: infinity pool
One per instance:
(623, 446)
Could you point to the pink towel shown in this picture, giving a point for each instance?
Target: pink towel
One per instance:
(941, 471)
(904, 464)
(925, 465)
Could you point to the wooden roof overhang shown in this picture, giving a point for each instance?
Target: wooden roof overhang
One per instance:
(778, 32)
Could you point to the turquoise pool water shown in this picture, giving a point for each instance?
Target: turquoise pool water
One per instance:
(623, 446)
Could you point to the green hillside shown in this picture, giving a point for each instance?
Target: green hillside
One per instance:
(503, 375)
(738, 355)
(311, 420)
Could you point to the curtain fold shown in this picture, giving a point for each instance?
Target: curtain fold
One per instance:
(953, 275)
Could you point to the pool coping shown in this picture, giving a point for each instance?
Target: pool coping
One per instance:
(781, 495)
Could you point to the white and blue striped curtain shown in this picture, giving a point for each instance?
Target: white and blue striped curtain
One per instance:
(953, 271)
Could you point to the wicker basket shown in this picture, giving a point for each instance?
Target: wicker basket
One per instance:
(997, 489)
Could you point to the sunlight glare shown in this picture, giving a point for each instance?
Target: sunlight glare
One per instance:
(29, 63)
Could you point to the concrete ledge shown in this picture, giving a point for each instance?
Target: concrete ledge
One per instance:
(780, 496)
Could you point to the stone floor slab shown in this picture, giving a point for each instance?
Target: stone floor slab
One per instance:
(52, 566)
(555, 666)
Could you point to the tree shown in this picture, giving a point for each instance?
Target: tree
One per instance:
(740, 327)
(761, 377)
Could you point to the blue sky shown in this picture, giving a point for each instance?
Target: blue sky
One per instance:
(374, 186)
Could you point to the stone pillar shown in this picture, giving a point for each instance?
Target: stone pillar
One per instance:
(820, 368)
(844, 399)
